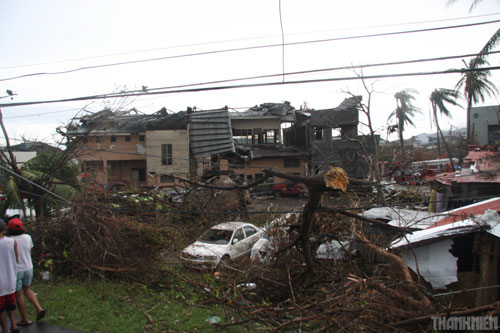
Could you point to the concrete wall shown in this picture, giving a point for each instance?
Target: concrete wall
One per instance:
(264, 123)
(254, 167)
(180, 155)
(481, 117)
(270, 123)
(100, 150)
(23, 156)
(124, 160)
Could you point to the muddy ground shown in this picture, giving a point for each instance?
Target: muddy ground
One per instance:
(269, 204)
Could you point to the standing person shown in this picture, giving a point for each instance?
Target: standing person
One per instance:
(24, 271)
(8, 258)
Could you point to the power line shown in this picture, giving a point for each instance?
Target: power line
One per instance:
(245, 39)
(400, 62)
(252, 48)
(265, 84)
(42, 114)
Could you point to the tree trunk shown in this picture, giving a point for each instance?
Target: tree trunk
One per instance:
(469, 134)
(438, 143)
(445, 146)
(401, 140)
(310, 208)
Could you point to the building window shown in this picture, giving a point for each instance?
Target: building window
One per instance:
(139, 174)
(249, 178)
(318, 133)
(166, 179)
(258, 176)
(113, 138)
(97, 139)
(127, 138)
(270, 136)
(292, 162)
(166, 154)
(237, 163)
(243, 136)
(142, 137)
(92, 166)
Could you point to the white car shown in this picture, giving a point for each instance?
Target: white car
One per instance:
(275, 233)
(276, 237)
(222, 242)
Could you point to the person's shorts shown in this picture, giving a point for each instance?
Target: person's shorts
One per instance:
(24, 279)
(8, 302)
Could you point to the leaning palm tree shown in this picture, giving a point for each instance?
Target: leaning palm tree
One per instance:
(439, 98)
(404, 111)
(36, 186)
(472, 6)
(476, 86)
(493, 41)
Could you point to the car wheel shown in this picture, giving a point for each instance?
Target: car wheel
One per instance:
(224, 261)
(278, 194)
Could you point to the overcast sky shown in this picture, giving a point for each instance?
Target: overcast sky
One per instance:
(54, 36)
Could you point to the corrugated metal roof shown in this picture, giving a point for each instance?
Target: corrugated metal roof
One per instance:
(210, 133)
(465, 212)
(481, 215)
(485, 166)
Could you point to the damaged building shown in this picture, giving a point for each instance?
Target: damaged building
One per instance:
(477, 178)
(460, 251)
(259, 144)
(331, 137)
(128, 148)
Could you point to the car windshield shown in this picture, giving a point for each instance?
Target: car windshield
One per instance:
(216, 236)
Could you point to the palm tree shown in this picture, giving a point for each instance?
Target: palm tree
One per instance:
(439, 98)
(472, 6)
(476, 86)
(404, 111)
(40, 170)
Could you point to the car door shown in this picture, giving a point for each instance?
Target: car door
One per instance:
(251, 236)
(238, 247)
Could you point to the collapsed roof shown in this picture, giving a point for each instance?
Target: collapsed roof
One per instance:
(283, 110)
(428, 251)
(107, 121)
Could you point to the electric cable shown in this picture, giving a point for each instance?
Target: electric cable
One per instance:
(249, 48)
(245, 39)
(264, 84)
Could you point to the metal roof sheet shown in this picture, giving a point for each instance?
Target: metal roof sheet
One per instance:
(210, 132)
(485, 166)
(481, 215)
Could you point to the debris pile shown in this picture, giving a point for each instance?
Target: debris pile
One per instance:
(108, 236)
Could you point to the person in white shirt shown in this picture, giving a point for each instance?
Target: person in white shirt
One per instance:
(24, 269)
(8, 259)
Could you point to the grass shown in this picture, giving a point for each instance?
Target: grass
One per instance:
(103, 306)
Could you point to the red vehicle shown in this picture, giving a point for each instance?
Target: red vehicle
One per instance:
(289, 189)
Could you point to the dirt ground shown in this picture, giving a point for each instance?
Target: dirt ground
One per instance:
(271, 204)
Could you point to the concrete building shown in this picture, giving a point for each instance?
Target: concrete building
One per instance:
(134, 149)
(126, 149)
(485, 124)
(331, 137)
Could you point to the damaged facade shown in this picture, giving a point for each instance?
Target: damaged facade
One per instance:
(331, 137)
(130, 148)
(477, 178)
(259, 143)
(124, 149)
(461, 250)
